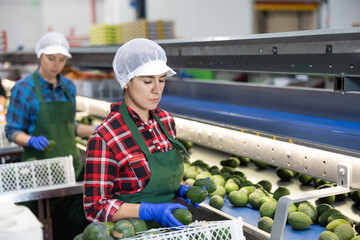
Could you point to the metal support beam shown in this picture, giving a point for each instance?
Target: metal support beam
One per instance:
(282, 208)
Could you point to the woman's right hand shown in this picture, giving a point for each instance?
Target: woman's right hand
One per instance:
(160, 213)
(39, 143)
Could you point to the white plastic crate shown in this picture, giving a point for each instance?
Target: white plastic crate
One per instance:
(204, 230)
(38, 174)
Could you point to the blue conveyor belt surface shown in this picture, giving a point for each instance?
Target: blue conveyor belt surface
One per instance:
(252, 216)
(343, 134)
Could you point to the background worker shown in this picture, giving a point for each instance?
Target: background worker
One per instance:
(133, 163)
(42, 107)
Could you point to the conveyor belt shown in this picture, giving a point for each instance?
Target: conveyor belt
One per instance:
(252, 216)
(336, 133)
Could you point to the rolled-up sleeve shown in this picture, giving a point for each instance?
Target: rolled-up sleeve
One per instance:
(100, 171)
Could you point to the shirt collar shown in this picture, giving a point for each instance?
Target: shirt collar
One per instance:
(133, 114)
(46, 84)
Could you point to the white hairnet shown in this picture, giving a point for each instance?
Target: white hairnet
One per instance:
(139, 57)
(53, 43)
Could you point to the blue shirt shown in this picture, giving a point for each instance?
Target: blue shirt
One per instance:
(23, 108)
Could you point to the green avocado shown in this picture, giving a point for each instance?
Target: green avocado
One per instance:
(182, 215)
(49, 147)
(197, 194)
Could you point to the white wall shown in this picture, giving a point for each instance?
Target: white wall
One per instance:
(22, 21)
(340, 14)
(27, 20)
(204, 18)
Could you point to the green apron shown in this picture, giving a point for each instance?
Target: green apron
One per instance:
(55, 121)
(166, 168)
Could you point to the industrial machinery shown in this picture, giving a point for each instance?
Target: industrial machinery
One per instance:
(308, 130)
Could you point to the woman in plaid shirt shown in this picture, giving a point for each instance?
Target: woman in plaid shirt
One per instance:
(133, 164)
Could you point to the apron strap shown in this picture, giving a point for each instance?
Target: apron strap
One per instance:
(37, 87)
(176, 143)
(38, 90)
(133, 129)
(138, 137)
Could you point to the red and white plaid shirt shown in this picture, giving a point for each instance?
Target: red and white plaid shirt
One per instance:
(115, 163)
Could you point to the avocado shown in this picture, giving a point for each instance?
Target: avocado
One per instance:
(254, 198)
(240, 174)
(220, 191)
(323, 218)
(344, 232)
(322, 208)
(233, 162)
(281, 191)
(189, 182)
(268, 209)
(247, 189)
(197, 194)
(285, 174)
(335, 216)
(238, 198)
(110, 226)
(231, 186)
(261, 165)
(305, 179)
(49, 147)
(327, 235)
(318, 182)
(299, 220)
(216, 202)
(207, 183)
(266, 199)
(266, 185)
(355, 196)
(200, 163)
(227, 169)
(244, 161)
(139, 224)
(123, 229)
(182, 215)
(265, 224)
(308, 209)
(96, 230)
(152, 224)
(328, 199)
(218, 179)
(333, 224)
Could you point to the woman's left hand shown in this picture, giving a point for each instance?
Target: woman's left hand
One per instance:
(181, 193)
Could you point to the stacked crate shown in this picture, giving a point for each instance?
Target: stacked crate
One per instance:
(101, 34)
(137, 29)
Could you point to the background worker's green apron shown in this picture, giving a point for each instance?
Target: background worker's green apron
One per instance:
(56, 121)
(166, 168)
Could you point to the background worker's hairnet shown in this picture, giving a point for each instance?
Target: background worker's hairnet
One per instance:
(53, 43)
(139, 57)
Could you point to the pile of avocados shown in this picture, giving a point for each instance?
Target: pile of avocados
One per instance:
(241, 192)
(129, 228)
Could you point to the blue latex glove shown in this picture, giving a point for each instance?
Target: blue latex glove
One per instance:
(160, 213)
(96, 128)
(181, 193)
(39, 143)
